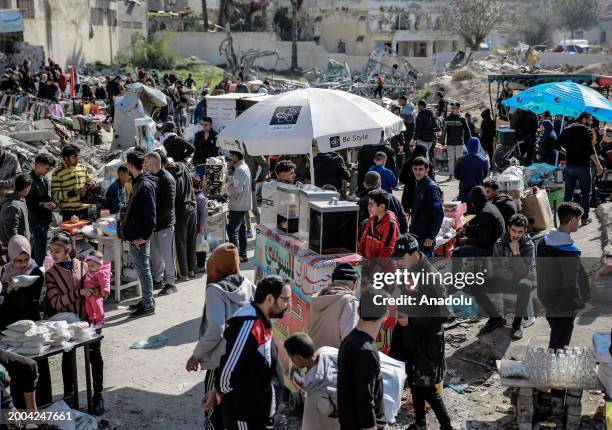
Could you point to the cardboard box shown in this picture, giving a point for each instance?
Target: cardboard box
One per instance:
(537, 210)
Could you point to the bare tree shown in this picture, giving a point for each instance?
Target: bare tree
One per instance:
(577, 14)
(473, 20)
(205, 15)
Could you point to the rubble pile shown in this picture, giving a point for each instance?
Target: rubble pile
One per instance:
(26, 139)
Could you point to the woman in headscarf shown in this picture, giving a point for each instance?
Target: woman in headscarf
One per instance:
(547, 142)
(22, 282)
(406, 177)
(487, 133)
(226, 292)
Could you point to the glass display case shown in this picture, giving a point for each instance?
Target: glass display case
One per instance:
(288, 209)
(333, 227)
(308, 195)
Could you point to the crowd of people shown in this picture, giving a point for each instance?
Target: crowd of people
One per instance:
(161, 209)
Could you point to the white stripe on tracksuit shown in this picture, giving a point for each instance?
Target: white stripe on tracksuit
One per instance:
(234, 356)
(208, 424)
(242, 425)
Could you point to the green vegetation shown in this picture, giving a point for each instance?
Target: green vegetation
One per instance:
(153, 52)
(424, 93)
(201, 71)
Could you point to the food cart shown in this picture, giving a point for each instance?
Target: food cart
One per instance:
(289, 123)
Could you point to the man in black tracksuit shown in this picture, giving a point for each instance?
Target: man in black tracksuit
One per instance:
(244, 378)
(360, 384)
(418, 337)
(372, 182)
(562, 282)
(483, 230)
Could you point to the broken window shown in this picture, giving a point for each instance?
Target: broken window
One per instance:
(27, 8)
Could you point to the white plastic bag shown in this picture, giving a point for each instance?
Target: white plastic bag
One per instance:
(201, 243)
(511, 179)
(513, 369)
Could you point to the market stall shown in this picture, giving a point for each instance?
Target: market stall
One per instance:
(305, 231)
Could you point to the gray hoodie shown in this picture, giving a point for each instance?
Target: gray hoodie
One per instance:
(321, 393)
(223, 299)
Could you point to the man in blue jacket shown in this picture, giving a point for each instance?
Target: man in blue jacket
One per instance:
(427, 211)
(137, 227)
(471, 170)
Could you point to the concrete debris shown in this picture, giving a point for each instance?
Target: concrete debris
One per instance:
(26, 139)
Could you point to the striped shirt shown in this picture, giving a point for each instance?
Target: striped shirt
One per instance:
(65, 183)
(63, 288)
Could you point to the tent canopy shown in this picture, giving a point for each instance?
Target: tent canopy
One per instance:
(562, 98)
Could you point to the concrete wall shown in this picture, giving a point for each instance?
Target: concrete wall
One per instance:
(177, 5)
(206, 46)
(62, 28)
(132, 20)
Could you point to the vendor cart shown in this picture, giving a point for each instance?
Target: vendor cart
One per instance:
(284, 255)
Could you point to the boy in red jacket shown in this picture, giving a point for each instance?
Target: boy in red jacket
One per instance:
(381, 231)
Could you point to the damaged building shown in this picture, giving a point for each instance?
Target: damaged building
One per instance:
(75, 32)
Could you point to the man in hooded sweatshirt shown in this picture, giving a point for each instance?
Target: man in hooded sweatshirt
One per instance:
(563, 285)
(483, 230)
(319, 382)
(427, 210)
(487, 132)
(226, 292)
(471, 170)
(333, 311)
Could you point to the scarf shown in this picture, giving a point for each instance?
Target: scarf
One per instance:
(16, 246)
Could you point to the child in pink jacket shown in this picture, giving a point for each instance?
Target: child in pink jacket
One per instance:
(98, 276)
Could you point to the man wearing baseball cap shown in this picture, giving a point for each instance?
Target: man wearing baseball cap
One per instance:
(333, 311)
(418, 337)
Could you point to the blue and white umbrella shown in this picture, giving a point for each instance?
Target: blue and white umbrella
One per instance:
(562, 98)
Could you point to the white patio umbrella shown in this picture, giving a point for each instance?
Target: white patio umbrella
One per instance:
(289, 122)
